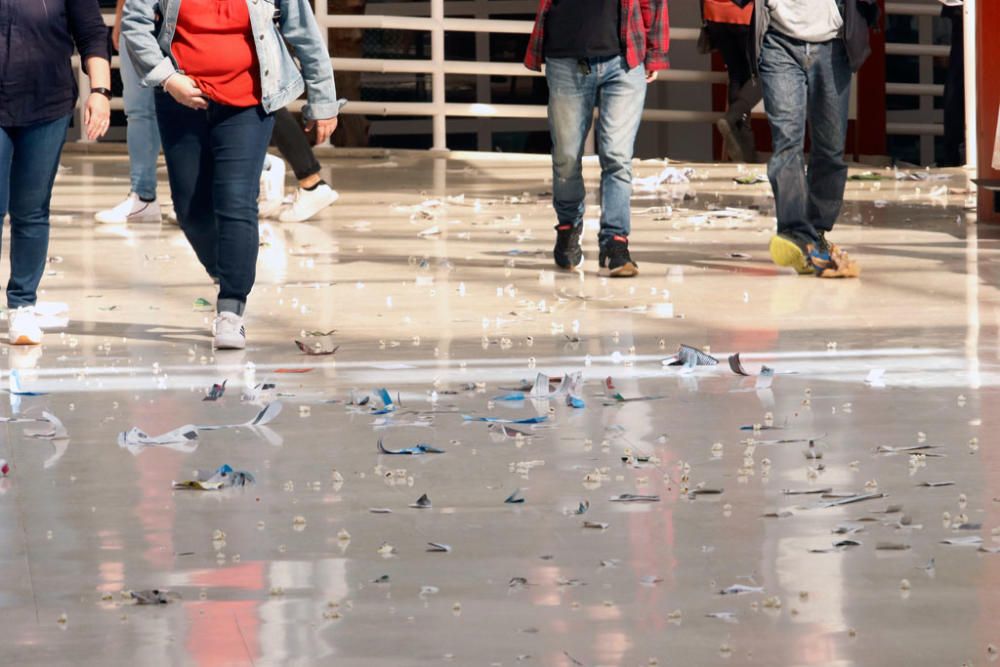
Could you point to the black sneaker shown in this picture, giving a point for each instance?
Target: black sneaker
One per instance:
(568, 254)
(615, 260)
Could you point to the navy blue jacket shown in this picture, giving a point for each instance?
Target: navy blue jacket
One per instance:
(36, 43)
(859, 16)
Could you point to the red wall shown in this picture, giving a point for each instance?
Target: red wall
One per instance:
(987, 102)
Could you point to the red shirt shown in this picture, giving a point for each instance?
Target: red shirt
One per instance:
(214, 46)
(726, 11)
(644, 30)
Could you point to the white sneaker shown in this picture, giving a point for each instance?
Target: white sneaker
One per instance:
(23, 327)
(272, 187)
(229, 332)
(132, 209)
(308, 203)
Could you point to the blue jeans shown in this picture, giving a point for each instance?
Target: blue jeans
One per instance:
(142, 134)
(29, 159)
(575, 88)
(805, 81)
(214, 159)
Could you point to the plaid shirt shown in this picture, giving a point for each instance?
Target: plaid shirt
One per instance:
(645, 32)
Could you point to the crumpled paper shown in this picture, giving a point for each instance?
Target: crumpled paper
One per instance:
(223, 477)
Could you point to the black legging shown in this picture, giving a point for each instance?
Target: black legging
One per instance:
(954, 93)
(293, 144)
(731, 40)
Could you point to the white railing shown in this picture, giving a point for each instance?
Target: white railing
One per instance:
(438, 109)
(438, 25)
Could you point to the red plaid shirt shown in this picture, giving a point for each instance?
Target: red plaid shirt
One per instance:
(645, 32)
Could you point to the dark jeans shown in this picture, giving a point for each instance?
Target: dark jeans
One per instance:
(732, 42)
(214, 159)
(954, 93)
(29, 159)
(806, 81)
(294, 145)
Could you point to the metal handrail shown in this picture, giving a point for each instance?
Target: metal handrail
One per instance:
(438, 68)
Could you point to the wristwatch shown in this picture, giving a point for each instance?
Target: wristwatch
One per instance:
(102, 91)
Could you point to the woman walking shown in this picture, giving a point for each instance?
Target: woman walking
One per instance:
(37, 95)
(221, 69)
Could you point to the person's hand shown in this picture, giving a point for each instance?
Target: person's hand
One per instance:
(116, 35)
(651, 76)
(97, 116)
(185, 91)
(324, 129)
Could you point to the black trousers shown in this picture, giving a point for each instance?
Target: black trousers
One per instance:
(954, 93)
(293, 144)
(732, 42)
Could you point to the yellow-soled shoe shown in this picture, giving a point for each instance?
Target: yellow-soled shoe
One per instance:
(785, 251)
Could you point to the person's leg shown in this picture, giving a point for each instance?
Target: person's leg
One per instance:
(238, 142)
(722, 39)
(572, 91)
(621, 98)
(748, 92)
(829, 96)
(783, 80)
(36, 151)
(572, 94)
(6, 157)
(954, 93)
(293, 144)
(313, 193)
(187, 151)
(744, 91)
(142, 133)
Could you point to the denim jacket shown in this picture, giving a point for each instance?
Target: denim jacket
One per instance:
(148, 28)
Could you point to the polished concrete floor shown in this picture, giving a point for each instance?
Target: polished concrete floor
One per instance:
(437, 279)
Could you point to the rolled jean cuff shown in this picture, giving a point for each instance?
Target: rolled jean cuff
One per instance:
(231, 306)
(145, 192)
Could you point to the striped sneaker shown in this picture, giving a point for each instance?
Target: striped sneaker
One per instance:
(132, 209)
(229, 332)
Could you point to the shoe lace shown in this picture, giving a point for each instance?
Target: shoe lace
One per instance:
(824, 245)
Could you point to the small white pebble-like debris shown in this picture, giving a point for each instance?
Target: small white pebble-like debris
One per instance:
(773, 602)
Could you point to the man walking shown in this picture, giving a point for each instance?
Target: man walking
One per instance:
(806, 52)
(599, 53)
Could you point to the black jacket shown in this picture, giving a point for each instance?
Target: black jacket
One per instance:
(36, 44)
(859, 17)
